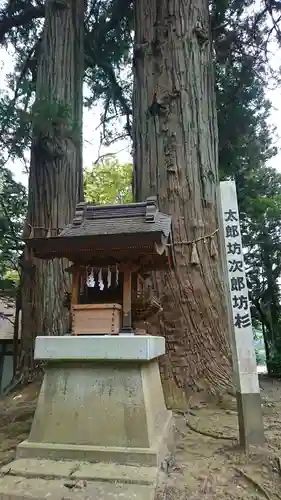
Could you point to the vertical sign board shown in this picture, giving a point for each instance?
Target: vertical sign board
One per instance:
(243, 354)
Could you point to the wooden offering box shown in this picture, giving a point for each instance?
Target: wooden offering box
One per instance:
(96, 319)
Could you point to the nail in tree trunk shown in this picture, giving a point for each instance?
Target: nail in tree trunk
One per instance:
(175, 146)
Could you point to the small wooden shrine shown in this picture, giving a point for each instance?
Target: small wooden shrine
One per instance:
(112, 248)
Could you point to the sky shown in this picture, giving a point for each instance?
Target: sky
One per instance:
(91, 122)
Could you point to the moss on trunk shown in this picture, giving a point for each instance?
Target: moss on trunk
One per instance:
(55, 180)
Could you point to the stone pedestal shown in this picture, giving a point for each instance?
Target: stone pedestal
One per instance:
(101, 401)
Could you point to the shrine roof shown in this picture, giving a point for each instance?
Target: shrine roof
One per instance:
(133, 218)
(104, 232)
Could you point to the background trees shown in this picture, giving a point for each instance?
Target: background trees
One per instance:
(241, 32)
(13, 204)
(108, 182)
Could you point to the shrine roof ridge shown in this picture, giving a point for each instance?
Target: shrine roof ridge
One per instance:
(132, 218)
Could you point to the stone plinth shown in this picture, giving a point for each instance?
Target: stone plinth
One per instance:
(101, 401)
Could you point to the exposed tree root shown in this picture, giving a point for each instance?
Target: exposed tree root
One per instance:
(209, 434)
(203, 433)
(257, 485)
(4, 462)
(13, 385)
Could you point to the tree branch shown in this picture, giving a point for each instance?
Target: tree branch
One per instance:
(25, 68)
(22, 19)
(117, 90)
(104, 156)
(15, 238)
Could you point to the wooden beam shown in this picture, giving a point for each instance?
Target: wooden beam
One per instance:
(127, 301)
(75, 287)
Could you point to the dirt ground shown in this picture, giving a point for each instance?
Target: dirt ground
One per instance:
(206, 466)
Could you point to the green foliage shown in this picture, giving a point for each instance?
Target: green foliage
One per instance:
(259, 344)
(13, 203)
(52, 123)
(12, 276)
(15, 130)
(108, 43)
(258, 357)
(109, 182)
(240, 32)
(274, 365)
(262, 236)
(49, 115)
(245, 144)
(245, 139)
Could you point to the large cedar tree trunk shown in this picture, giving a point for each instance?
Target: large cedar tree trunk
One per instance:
(55, 180)
(175, 145)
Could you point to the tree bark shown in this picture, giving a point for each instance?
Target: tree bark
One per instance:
(175, 156)
(55, 179)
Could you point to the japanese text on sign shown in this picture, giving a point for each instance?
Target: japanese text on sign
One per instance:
(237, 298)
(236, 271)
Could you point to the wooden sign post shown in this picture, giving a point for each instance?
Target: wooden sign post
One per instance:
(245, 375)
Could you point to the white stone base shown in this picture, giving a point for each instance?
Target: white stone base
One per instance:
(99, 347)
(101, 401)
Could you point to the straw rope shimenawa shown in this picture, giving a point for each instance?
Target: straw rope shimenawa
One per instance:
(175, 243)
(194, 256)
(205, 237)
